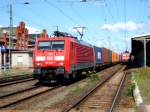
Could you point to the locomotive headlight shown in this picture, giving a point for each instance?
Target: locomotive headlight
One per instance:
(60, 63)
(38, 64)
(59, 58)
(40, 58)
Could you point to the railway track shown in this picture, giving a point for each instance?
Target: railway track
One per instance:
(21, 96)
(101, 98)
(15, 78)
(16, 81)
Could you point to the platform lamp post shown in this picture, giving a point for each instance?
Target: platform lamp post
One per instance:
(10, 30)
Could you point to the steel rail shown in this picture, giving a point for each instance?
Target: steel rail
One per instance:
(117, 94)
(16, 81)
(29, 97)
(77, 102)
(14, 78)
(18, 92)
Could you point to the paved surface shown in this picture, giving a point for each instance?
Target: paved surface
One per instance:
(143, 108)
(147, 108)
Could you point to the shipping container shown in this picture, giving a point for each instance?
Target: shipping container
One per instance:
(110, 56)
(105, 55)
(114, 57)
(98, 55)
(117, 58)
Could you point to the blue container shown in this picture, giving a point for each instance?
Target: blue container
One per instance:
(98, 55)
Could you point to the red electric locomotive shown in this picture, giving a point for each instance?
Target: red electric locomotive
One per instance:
(61, 57)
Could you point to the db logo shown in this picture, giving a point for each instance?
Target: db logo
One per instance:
(49, 57)
(99, 55)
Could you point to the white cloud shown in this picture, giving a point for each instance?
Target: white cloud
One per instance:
(33, 30)
(128, 26)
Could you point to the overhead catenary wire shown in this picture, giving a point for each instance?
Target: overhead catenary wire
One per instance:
(117, 9)
(77, 14)
(35, 13)
(61, 11)
(21, 18)
(106, 31)
(125, 31)
(83, 21)
(16, 16)
(109, 11)
(95, 40)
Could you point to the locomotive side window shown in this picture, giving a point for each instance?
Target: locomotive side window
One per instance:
(51, 45)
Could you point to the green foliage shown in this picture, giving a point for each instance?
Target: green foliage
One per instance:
(142, 77)
(76, 89)
(131, 88)
(94, 77)
(135, 107)
(142, 74)
(6, 73)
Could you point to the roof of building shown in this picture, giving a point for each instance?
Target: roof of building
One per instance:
(22, 51)
(6, 30)
(142, 37)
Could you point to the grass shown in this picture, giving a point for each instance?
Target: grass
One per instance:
(135, 107)
(94, 77)
(13, 72)
(92, 80)
(130, 89)
(142, 77)
(76, 89)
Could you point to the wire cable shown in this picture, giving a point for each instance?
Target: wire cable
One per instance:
(117, 9)
(61, 11)
(107, 7)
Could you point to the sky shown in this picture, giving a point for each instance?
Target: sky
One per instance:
(108, 23)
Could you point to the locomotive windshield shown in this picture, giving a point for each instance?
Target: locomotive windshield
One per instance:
(51, 45)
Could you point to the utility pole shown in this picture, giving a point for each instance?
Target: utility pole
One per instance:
(10, 30)
(80, 32)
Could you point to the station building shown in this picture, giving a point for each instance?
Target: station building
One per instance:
(20, 48)
(22, 59)
(140, 52)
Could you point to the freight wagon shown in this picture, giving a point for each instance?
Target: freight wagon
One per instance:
(102, 56)
(105, 57)
(115, 57)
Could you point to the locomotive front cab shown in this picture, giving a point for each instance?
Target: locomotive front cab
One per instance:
(49, 58)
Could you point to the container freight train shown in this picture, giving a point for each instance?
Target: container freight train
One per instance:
(65, 57)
